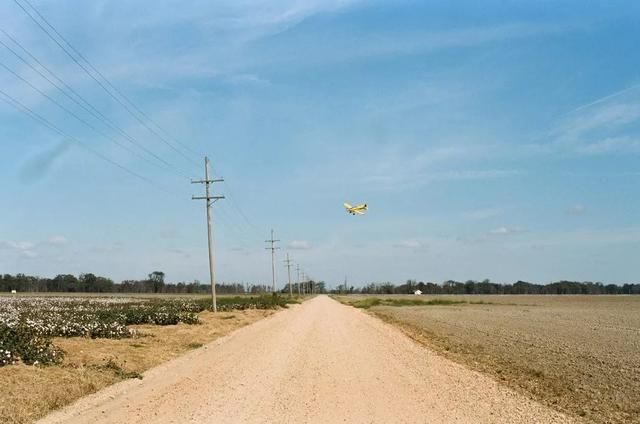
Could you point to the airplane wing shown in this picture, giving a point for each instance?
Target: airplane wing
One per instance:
(359, 211)
(347, 206)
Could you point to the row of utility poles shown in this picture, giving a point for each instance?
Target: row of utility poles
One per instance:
(307, 286)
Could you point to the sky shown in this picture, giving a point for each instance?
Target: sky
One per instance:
(494, 139)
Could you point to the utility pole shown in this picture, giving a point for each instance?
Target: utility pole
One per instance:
(298, 278)
(273, 259)
(209, 200)
(287, 263)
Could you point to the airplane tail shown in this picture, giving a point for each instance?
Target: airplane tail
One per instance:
(346, 205)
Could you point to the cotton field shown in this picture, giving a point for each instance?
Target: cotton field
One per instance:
(28, 323)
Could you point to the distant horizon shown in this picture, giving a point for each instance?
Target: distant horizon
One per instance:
(334, 285)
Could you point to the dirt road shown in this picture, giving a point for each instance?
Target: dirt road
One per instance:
(319, 362)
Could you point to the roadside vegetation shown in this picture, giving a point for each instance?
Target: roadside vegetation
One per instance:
(55, 349)
(27, 324)
(377, 301)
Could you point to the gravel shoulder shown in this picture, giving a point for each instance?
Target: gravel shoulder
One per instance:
(316, 362)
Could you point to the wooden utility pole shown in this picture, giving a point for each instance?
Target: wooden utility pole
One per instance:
(298, 278)
(209, 200)
(287, 263)
(273, 259)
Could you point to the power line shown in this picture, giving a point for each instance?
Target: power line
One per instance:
(114, 97)
(89, 108)
(121, 94)
(239, 233)
(51, 99)
(237, 207)
(35, 59)
(26, 110)
(115, 89)
(247, 224)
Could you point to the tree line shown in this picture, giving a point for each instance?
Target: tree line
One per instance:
(488, 287)
(155, 283)
(91, 283)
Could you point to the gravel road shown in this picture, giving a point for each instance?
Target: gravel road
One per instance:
(319, 362)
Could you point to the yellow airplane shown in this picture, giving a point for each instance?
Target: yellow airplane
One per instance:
(360, 209)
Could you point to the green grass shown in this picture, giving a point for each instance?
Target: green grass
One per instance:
(118, 371)
(366, 303)
(419, 302)
(228, 317)
(375, 301)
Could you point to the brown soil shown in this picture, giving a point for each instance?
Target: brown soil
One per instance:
(580, 354)
(30, 392)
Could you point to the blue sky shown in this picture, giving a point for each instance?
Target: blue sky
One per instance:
(491, 140)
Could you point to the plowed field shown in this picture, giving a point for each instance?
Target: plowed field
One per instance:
(580, 354)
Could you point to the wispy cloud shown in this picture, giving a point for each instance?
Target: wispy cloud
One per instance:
(506, 231)
(484, 174)
(17, 245)
(578, 209)
(622, 144)
(590, 237)
(409, 244)
(609, 125)
(394, 167)
(30, 250)
(607, 116)
(24, 249)
(233, 39)
(401, 177)
(606, 98)
(107, 248)
(365, 44)
(299, 245)
(429, 41)
(58, 240)
(224, 30)
(248, 79)
(481, 214)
